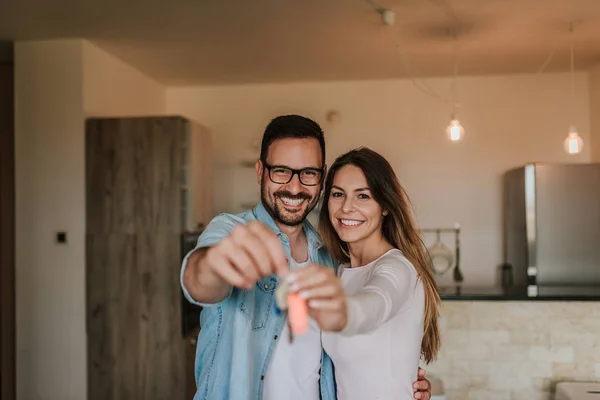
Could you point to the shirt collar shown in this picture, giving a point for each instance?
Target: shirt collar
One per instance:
(261, 214)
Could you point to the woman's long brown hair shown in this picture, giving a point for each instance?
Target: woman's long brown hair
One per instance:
(398, 228)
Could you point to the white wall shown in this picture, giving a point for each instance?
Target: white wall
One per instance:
(49, 197)
(595, 113)
(114, 88)
(508, 120)
(58, 84)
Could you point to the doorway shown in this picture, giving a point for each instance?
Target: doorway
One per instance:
(7, 225)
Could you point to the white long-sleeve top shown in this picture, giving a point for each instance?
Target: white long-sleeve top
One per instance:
(377, 354)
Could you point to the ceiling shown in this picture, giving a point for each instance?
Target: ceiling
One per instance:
(189, 42)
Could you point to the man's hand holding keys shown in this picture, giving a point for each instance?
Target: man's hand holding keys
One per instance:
(249, 253)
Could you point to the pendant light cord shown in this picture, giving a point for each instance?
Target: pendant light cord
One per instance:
(572, 69)
(455, 72)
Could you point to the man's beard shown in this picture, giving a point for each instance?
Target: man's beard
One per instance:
(275, 209)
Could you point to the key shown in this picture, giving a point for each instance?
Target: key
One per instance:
(281, 295)
(281, 302)
(290, 331)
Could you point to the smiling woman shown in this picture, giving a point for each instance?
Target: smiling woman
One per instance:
(351, 210)
(392, 300)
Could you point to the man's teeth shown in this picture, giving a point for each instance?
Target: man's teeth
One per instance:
(291, 202)
(349, 222)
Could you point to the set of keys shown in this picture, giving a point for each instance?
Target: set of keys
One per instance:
(294, 307)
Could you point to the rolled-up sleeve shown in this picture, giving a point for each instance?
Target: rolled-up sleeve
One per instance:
(218, 228)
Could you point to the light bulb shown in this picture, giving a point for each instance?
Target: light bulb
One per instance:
(573, 143)
(455, 131)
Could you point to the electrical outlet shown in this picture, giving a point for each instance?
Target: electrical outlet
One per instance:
(61, 237)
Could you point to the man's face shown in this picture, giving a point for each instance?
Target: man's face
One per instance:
(289, 203)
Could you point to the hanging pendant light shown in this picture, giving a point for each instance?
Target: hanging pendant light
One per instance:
(573, 144)
(455, 130)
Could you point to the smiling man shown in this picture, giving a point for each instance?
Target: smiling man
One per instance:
(242, 350)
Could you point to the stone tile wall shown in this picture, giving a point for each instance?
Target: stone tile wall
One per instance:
(505, 350)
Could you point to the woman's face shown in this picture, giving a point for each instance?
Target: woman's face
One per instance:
(353, 212)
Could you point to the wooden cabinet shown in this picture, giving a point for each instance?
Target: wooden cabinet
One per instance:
(148, 181)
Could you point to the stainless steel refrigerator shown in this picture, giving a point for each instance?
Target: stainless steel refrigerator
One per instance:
(552, 225)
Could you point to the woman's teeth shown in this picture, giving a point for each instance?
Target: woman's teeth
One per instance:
(349, 222)
(291, 202)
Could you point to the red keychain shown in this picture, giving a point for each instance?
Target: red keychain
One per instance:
(297, 314)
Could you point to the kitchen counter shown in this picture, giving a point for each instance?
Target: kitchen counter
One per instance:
(550, 293)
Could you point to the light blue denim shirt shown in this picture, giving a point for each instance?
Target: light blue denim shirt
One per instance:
(239, 334)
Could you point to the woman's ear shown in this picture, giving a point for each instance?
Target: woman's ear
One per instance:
(385, 212)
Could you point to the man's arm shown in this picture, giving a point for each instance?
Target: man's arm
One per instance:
(202, 284)
(230, 253)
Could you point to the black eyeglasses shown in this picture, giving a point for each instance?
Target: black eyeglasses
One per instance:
(281, 174)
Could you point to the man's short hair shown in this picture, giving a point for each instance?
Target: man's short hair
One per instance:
(291, 126)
